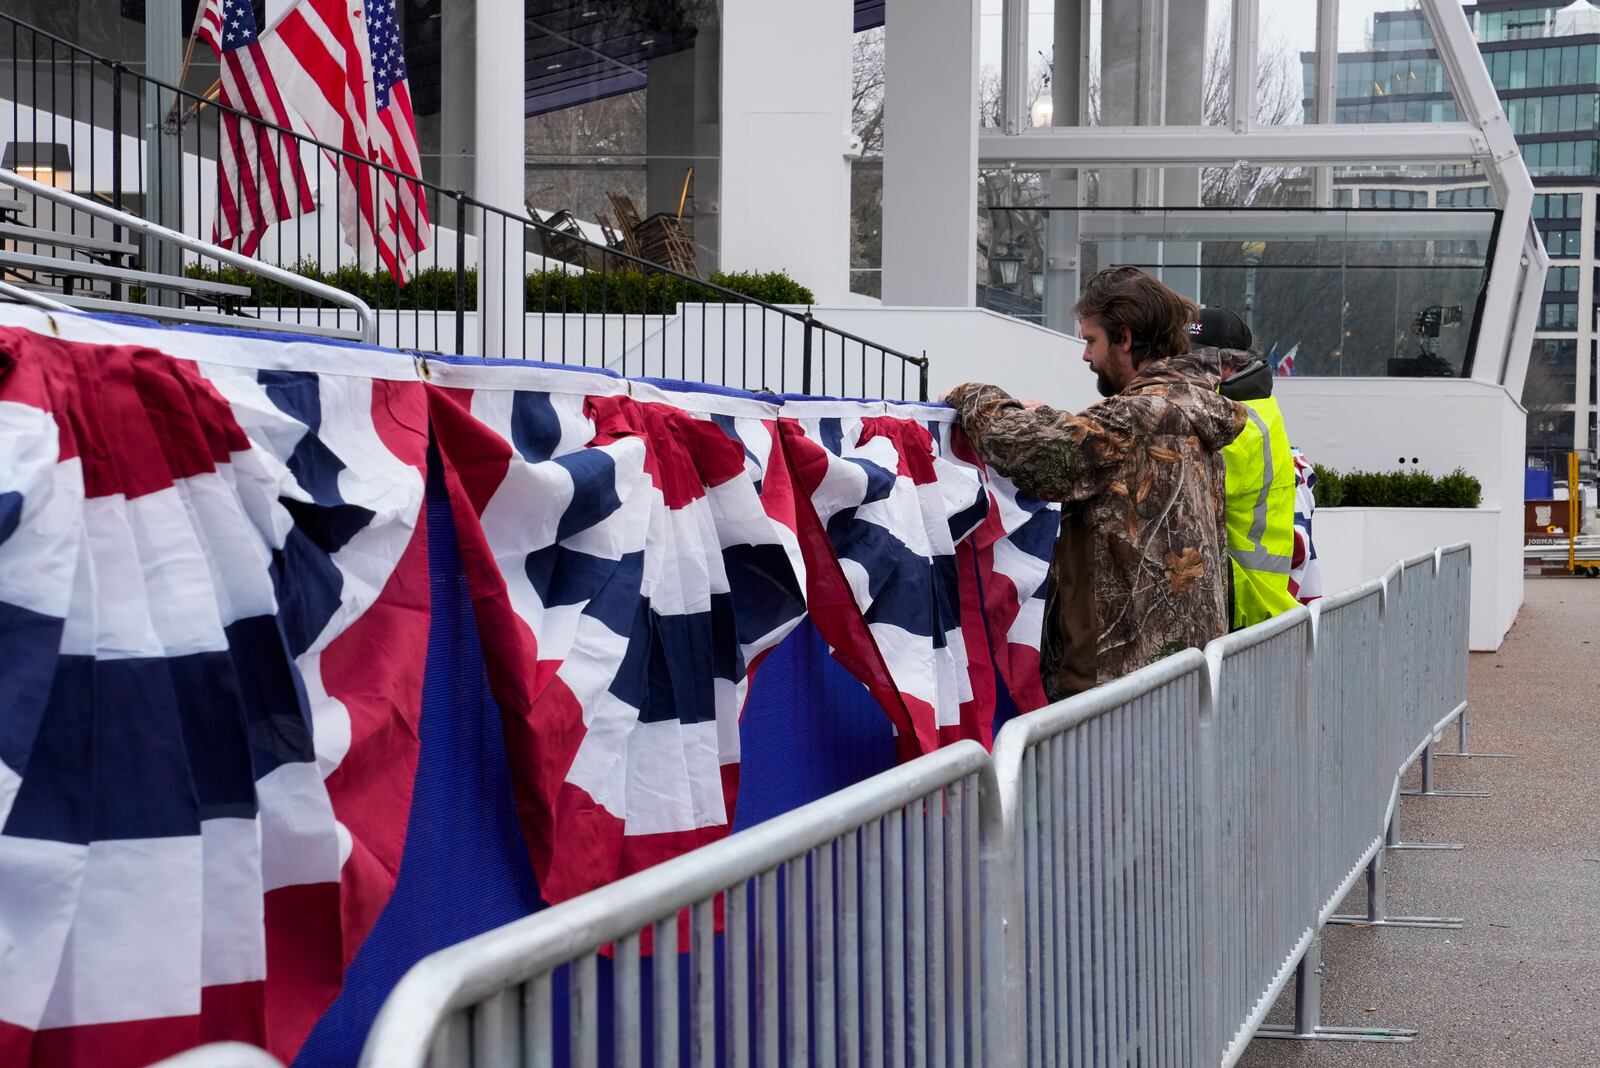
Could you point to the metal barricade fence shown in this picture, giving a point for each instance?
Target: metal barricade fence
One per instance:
(1104, 824)
(1133, 878)
(853, 930)
(1352, 712)
(1416, 686)
(1455, 607)
(1266, 902)
(1396, 628)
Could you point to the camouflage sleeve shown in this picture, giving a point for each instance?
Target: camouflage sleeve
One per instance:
(1047, 452)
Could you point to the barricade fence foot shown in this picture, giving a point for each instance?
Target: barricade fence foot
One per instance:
(1440, 923)
(1474, 756)
(1337, 1034)
(1425, 845)
(1444, 793)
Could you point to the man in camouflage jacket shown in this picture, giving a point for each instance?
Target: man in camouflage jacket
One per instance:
(1140, 569)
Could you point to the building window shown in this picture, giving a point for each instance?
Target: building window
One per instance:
(1563, 242)
(1536, 68)
(1566, 113)
(1394, 198)
(1558, 315)
(1560, 158)
(1476, 196)
(1561, 280)
(1558, 206)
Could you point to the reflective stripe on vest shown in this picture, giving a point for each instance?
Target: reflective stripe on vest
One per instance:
(1258, 559)
(1260, 512)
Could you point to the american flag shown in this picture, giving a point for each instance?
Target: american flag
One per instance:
(260, 180)
(340, 66)
(402, 210)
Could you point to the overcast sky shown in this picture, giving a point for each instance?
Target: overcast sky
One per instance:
(1291, 22)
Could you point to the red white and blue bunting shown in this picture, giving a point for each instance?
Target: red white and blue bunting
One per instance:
(214, 599)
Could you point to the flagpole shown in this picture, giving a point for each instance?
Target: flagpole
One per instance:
(188, 54)
(209, 94)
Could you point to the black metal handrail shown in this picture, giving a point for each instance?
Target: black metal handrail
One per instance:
(613, 308)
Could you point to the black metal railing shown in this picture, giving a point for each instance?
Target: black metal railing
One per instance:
(123, 137)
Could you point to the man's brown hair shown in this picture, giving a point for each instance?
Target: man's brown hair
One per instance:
(1156, 318)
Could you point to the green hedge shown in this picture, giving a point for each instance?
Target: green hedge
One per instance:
(614, 291)
(1396, 489)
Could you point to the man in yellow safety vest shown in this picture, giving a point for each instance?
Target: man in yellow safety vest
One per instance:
(1260, 486)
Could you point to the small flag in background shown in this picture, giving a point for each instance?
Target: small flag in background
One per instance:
(1285, 366)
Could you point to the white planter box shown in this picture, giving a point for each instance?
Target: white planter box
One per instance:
(1357, 544)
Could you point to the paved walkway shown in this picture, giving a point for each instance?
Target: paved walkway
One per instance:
(1520, 983)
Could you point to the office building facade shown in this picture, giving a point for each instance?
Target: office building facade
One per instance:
(1544, 61)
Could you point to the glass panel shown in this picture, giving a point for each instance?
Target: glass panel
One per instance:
(1389, 70)
(1040, 109)
(1195, 70)
(1551, 432)
(1354, 293)
(1218, 80)
(1286, 43)
(1552, 378)
(991, 49)
(866, 172)
(621, 100)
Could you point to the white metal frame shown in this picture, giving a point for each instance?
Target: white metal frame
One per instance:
(1505, 329)
(365, 317)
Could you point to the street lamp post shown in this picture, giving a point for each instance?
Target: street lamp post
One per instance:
(1253, 251)
(1009, 263)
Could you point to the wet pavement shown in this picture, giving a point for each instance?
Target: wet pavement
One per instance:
(1519, 984)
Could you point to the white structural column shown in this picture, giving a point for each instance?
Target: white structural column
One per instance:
(458, 90)
(1326, 92)
(1063, 253)
(1504, 337)
(930, 153)
(1183, 86)
(786, 141)
(163, 154)
(498, 179)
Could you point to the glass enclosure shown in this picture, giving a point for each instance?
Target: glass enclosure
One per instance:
(1352, 293)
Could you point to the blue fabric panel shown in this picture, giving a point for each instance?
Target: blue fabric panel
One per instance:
(535, 427)
(809, 728)
(308, 586)
(465, 869)
(31, 640)
(594, 491)
(10, 513)
(1538, 484)
(766, 591)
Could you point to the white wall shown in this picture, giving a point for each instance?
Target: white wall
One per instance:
(1357, 544)
(785, 198)
(1372, 424)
